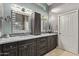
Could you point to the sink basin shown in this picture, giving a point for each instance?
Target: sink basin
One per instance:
(47, 32)
(19, 34)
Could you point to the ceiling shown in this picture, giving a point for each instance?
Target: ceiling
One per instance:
(59, 8)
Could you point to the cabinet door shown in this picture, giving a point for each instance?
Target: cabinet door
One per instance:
(1, 51)
(49, 43)
(10, 52)
(52, 42)
(23, 50)
(10, 49)
(36, 23)
(27, 49)
(32, 50)
(41, 46)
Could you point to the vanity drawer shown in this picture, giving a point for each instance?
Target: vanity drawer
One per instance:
(27, 48)
(27, 42)
(42, 42)
(10, 49)
(42, 46)
(43, 39)
(9, 46)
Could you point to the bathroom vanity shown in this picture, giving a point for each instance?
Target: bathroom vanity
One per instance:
(23, 20)
(32, 45)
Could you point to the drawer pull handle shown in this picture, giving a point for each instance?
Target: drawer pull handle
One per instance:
(43, 39)
(6, 53)
(28, 44)
(25, 46)
(11, 46)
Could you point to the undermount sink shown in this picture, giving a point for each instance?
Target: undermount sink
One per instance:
(19, 34)
(46, 32)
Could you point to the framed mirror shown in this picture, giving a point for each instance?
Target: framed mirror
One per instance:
(20, 22)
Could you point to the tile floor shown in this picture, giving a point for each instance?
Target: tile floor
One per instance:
(60, 52)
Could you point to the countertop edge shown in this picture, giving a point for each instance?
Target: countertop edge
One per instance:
(13, 39)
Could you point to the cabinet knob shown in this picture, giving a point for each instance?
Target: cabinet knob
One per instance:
(60, 33)
(11, 46)
(25, 46)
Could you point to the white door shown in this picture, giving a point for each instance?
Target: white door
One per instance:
(68, 31)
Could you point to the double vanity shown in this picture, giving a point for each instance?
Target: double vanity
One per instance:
(25, 32)
(30, 45)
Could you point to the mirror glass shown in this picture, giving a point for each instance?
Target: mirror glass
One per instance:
(44, 23)
(20, 23)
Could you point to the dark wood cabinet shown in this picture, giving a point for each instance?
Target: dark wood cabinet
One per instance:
(1, 51)
(30, 47)
(41, 46)
(35, 23)
(27, 48)
(9, 49)
(52, 42)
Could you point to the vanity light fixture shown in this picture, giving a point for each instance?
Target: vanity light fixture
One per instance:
(21, 9)
(16, 7)
(45, 17)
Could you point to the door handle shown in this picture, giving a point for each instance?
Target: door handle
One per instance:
(60, 33)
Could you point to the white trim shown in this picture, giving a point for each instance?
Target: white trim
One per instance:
(74, 10)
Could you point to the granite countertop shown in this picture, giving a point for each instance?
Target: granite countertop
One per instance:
(20, 38)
